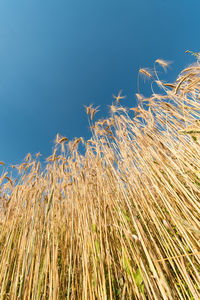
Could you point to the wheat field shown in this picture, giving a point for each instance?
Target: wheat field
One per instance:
(122, 220)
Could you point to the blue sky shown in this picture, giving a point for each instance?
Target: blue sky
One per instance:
(58, 55)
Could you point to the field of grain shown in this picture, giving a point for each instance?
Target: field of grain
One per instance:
(122, 220)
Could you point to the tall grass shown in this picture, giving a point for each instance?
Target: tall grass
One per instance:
(121, 221)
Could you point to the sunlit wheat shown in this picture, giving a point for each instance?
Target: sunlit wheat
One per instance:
(119, 219)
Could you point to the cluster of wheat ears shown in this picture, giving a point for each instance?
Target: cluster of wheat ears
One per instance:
(122, 220)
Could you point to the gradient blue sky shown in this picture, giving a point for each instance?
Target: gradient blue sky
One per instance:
(57, 55)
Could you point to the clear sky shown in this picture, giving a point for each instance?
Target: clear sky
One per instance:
(58, 55)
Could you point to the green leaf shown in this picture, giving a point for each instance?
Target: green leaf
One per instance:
(127, 265)
(97, 247)
(94, 228)
(138, 277)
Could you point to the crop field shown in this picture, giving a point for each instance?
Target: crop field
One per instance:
(122, 220)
